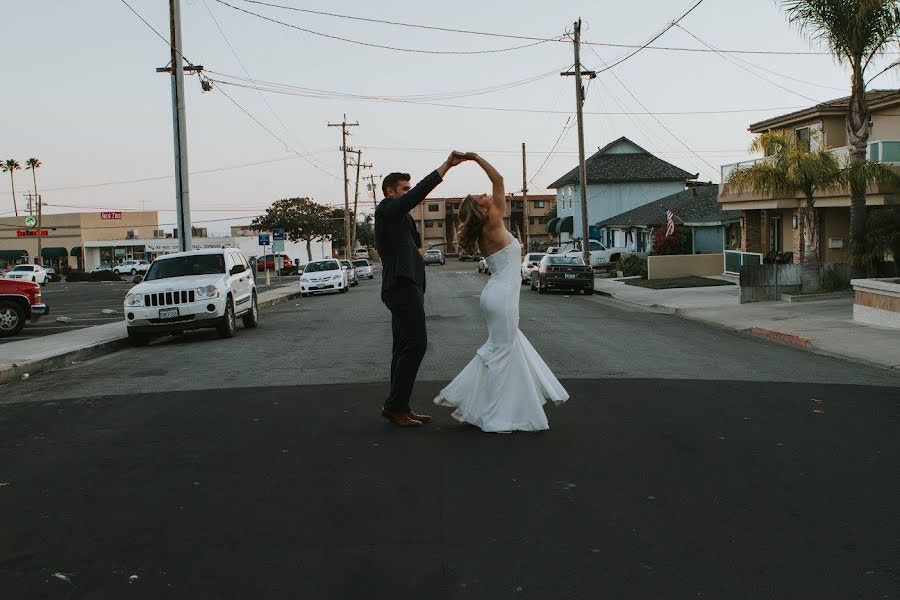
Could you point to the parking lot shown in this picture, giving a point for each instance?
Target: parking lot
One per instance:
(85, 302)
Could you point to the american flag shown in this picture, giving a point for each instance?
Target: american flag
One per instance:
(670, 223)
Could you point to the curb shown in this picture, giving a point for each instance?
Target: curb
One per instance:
(778, 336)
(14, 372)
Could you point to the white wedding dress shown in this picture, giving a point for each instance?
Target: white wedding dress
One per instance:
(506, 385)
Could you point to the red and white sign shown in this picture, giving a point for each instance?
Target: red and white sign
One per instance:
(31, 233)
(112, 214)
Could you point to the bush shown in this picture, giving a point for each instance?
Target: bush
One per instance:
(677, 243)
(836, 277)
(75, 276)
(633, 265)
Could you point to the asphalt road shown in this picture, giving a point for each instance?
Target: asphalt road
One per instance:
(84, 303)
(690, 462)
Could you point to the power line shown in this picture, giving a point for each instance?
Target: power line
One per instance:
(247, 72)
(660, 123)
(526, 37)
(301, 94)
(158, 34)
(380, 46)
(740, 66)
(651, 40)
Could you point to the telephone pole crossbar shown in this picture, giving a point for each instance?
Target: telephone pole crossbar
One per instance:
(579, 73)
(345, 149)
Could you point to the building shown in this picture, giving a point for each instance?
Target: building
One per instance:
(246, 238)
(67, 239)
(775, 223)
(620, 176)
(437, 219)
(696, 208)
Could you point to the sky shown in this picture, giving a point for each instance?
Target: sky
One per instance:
(82, 95)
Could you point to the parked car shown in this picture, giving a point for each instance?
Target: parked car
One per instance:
(132, 267)
(464, 256)
(560, 272)
(364, 269)
(267, 263)
(192, 290)
(434, 257)
(323, 276)
(51, 274)
(34, 273)
(531, 261)
(599, 253)
(361, 253)
(483, 266)
(352, 277)
(102, 267)
(20, 301)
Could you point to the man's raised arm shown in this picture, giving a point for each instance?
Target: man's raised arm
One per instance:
(409, 200)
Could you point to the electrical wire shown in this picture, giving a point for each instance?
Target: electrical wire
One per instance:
(740, 66)
(379, 46)
(154, 30)
(524, 37)
(250, 78)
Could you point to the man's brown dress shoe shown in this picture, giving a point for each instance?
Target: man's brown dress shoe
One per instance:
(418, 417)
(400, 420)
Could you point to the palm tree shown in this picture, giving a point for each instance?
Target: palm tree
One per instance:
(33, 165)
(855, 32)
(12, 165)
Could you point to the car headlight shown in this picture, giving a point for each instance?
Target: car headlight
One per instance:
(304, 279)
(134, 300)
(207, 292)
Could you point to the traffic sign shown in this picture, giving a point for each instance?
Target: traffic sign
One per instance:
(278, 234)
(30, 221)
(278, 246)
(264, 239)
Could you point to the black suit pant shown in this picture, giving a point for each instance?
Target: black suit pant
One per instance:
(406, 301)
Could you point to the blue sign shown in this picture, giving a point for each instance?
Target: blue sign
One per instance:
(264, 239)
(278, 234)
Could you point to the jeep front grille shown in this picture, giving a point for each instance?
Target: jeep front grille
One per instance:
(169, 298)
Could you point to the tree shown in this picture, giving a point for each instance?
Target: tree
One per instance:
(855, 32)
(33, 164)
(10, 166)
(882, 240)
(365, 231)
(302, 219)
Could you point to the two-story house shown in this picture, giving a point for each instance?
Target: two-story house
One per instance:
(774, 223)
(620, 176)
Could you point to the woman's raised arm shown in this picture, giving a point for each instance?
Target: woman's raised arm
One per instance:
(498, 191)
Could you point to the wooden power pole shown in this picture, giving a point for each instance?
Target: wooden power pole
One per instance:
(356, 193)
(578, 73)
(525, 203)
(344, 149)
(371, 177)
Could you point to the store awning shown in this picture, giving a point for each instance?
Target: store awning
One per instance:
(76, 251)
(12, 254)
(560, 225)
(54, 252)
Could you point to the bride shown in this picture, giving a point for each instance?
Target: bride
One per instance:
(505, 386)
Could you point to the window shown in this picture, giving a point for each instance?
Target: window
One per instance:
(810, 138)
(434, 207)
(324, 265)
(429, 224)
(539, 204)
(184, 266)
(518, 204)
(532, 220)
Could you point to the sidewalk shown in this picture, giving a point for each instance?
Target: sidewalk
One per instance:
(36, 355)
(824, 326)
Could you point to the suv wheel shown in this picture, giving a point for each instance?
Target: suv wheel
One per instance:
(138, 339)
(228, 324)
(251, 319)
(12, 318)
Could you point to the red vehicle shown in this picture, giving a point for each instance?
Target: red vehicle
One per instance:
(20, 301)
(267, 263)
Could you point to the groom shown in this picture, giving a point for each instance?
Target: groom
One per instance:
(403, 284)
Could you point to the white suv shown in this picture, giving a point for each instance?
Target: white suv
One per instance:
(131, 266)
(192, 290)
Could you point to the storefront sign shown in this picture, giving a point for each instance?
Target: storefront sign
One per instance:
(110, 215)
(31, 233)
(172, 245)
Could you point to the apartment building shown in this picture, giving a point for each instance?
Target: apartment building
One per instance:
(775, 223)
(437, 219)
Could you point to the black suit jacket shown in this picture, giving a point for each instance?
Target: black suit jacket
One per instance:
(396, 237)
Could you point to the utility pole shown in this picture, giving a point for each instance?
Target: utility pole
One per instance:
(525, 203)
(356, 193)
(371, 177)
(40, 211)
(344, 149)
(179, 127)
(578, 73)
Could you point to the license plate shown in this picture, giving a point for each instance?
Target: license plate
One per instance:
(168, 313)
(570, 276)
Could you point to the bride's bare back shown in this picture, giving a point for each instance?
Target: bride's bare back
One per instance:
(493, 236)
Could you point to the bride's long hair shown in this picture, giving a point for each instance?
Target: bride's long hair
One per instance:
(470, 224)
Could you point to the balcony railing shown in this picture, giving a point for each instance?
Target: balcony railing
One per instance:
(882, 151)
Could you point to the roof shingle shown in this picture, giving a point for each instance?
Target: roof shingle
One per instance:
(703, 207)
(605, 167)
